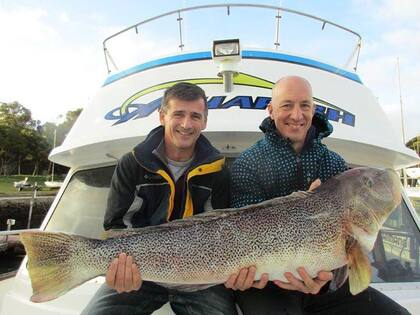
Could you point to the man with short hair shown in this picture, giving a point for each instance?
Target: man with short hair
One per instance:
(174, 173)
(291, 157)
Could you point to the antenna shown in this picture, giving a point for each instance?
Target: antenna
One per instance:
(401, 102)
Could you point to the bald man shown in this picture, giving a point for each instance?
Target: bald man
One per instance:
(291, 157)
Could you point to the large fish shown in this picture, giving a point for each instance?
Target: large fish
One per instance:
(334, 226)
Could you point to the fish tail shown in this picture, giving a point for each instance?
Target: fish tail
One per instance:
(53, 264)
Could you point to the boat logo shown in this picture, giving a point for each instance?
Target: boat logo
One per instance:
(133, 109)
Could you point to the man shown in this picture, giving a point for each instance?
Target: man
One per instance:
(174, 173)
(289, 158)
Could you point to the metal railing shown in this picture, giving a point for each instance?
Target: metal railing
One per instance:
(179, 18)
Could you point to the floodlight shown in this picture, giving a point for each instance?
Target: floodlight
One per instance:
(227, 54)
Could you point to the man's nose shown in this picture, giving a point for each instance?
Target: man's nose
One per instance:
(296, 113)
(186, 122)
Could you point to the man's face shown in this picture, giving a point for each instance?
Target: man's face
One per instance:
(292, 109)
(183, 122)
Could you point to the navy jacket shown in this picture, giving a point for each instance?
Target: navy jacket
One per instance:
(142, 189)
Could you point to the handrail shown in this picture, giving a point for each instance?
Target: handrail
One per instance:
(228, 6)
(14, 232)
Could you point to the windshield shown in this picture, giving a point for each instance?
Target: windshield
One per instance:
(395, 257)
(82, 206)
(415, 201)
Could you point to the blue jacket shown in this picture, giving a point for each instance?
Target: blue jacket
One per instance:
(271, 168)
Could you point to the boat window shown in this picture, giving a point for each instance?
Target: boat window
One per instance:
(82, 206)
(415, 201)
(396, 255)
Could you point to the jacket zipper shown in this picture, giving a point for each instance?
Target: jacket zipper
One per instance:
(299, 177)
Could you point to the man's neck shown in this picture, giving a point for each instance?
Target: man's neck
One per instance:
(297, 146)
(178, 155)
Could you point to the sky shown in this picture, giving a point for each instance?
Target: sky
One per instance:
(51, 57)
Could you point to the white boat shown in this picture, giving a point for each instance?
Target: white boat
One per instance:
(53, 184)
(23, 184)
(125, 110)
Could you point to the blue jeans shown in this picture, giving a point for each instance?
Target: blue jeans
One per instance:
(216, 300)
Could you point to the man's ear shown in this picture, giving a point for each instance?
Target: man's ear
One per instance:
(205, 123)
(270, 110)
(162, 117)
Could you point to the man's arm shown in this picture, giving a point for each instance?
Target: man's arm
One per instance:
(123, 275)
(220, 197)
(246, 186)
(121, 193)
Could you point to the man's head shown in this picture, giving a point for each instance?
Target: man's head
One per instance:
(292, 109)
(183, 113)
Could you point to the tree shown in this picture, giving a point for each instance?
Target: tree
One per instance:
(24, 143)
(414, 144)
(61, 130)
(14, 120)
(20, 138)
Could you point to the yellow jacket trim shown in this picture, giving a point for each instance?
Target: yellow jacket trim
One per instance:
(172, 194)
(203, 169)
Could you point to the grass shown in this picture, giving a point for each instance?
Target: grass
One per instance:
(7, 188)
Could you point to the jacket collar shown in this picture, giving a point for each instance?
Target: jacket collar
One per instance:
(319, 129)
(143, 152)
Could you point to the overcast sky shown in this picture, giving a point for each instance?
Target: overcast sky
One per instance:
(51, 58)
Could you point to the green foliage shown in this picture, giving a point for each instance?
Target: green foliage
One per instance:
(24, 142)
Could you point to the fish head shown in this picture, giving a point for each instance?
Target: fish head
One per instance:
(370, 195)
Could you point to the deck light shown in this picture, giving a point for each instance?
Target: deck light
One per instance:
(227, 54)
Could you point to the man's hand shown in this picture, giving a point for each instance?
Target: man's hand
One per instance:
(123, 275)
(315, 184)
(308, 285)
(244, 280)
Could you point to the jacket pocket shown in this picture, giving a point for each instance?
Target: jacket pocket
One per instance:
(155, 201)
(201, 198)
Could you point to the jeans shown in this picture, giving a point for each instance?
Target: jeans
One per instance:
(216, 300)
(273, 300)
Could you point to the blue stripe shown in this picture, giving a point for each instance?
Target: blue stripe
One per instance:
(246, 54)
(250, 54)
(158, 63)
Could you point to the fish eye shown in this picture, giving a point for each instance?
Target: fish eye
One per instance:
(368, 182)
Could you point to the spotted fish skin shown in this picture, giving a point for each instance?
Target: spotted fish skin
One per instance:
(316, 230)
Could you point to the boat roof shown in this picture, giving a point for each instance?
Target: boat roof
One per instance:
(125, 108)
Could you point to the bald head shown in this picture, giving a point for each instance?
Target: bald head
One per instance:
(291, 82)
(292, 109)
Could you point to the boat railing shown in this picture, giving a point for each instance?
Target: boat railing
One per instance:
(258, 26)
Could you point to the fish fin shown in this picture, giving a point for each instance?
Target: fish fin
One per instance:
(301, 194)
(51, 268)
(121, 232)
(185, 287)
(359, 269)
(293, 197)
(340, 276)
